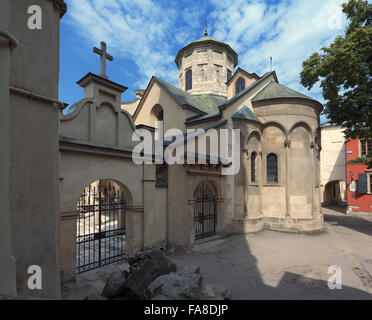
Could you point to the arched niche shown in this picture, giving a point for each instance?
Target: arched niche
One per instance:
(253, 166)
(300, 172)
(106, 125)
(157, 115)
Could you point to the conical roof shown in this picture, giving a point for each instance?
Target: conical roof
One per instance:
(276, 90)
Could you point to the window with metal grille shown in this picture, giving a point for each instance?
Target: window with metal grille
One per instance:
(272, 168)
(189, 79)
(253, 167)
(240, 85)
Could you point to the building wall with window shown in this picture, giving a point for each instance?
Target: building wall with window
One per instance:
(277, 186)
(332, 164)
(361, 199)
(239, 76)
(205, 66)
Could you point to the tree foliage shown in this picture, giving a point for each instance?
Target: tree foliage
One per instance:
(344, 70)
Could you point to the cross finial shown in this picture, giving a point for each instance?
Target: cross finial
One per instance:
(103, 57)
(206, 28)
(271, 63)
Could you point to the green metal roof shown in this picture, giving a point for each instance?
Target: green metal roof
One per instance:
(245, 113)
(276, 90)
(206, 103)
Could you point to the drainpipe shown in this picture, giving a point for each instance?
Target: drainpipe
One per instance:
(345, 151)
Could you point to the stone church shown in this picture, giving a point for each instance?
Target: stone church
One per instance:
(112, 207)
(93, 205)
(278, 184)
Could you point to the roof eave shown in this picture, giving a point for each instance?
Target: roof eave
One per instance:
(246, 90)
(254, 74)
(248, 120)
(290, 98)
(235, 55)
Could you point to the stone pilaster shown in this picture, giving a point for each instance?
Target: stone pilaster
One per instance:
(134, 228)
(7, 261)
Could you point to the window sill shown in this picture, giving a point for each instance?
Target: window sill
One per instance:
(273, 184)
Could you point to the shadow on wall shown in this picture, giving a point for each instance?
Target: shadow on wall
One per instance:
(334, 192)
(337, 174)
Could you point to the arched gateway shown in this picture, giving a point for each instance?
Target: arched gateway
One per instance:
(104, 220)
(100, 226)
(204, 210)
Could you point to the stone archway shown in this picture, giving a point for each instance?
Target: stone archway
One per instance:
(332, 192)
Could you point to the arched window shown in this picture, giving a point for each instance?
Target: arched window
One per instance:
(188, 79)
(156, 121)
(161, 115)
(239, 85)
(272, 168)
(253, 167)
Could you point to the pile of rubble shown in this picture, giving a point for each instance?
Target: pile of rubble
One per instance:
(152, 276)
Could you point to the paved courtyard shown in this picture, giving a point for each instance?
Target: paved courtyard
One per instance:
(275, 265)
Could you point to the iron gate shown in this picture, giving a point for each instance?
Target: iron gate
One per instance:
(204, 211)
(100, 227)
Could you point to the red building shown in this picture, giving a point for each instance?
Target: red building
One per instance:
(358, 177)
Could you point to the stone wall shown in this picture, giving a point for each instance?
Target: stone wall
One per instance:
(34, 125)
(209, 64)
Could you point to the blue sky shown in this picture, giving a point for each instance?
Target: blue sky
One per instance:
(144, 37)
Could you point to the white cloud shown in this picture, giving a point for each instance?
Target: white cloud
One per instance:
(289, 31)
(137, 30)
(150, 32)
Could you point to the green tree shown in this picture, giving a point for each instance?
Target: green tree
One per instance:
(345, 72)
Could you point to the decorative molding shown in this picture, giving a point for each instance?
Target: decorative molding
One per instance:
(79, 146)
(36, 96)
(203, 173)
(139, 208)
(69, 215)
(13, 42)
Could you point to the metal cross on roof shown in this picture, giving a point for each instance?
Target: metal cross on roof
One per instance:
(103, 57)
(206, 26)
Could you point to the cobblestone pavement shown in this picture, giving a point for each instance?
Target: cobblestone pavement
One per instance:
(274, 265)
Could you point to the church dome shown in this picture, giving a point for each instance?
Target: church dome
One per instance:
(205, 65)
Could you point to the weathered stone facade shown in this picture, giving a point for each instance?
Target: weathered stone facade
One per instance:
(210, 61)
(45, 171)
(272, 119)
